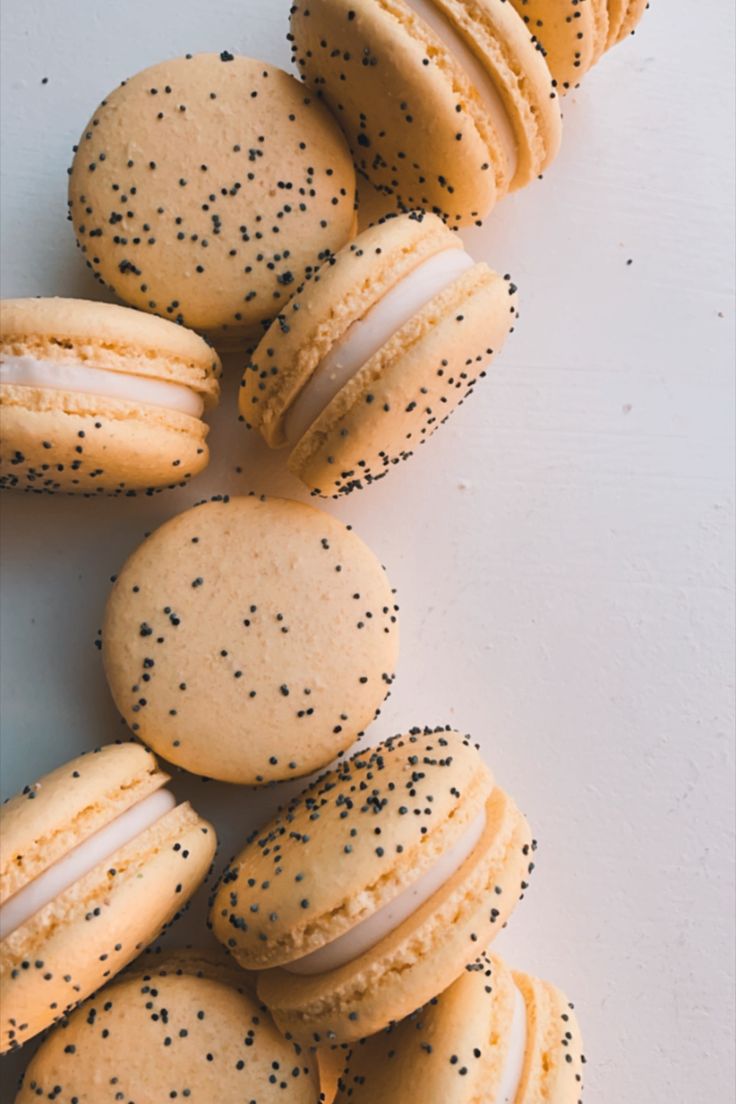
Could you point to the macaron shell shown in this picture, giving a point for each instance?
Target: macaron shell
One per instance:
(111, 337)
(341, 860)
(396, 93)
(423, 956)
(554, 1063)
(624, 17)
(330, 1064)
(51, 816)
(340, 292)
(403, 394)
(250, 640)
(81, 444)
(223, 181)
(452, 1051)
(572, 35)
(513, 58)
(168, 1034)
(96, 927)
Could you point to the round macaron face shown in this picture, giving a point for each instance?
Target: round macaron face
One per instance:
(493, 1036)
(390, 868)
(250, 639)
(175, 1031)
(375, 352)
(95, 859)
(446, 105)
(204, 188)
(100, 399)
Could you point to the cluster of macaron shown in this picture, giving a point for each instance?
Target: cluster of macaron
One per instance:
(358, 916)
(218, 193)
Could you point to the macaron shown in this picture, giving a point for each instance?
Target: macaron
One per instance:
(250, 639)
(96, 858)
(572, 34)
(99, 399)
(446, 105)
(373, 889)
(624, 17)
(205, 188)
(493, 1036)
(178, 1030)
(375, 351)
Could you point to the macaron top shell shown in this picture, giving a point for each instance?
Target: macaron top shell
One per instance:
(174, 1032)
(573, 35)
(205, 187)
(50, 817)
(110, 337)
(349, 844)
(250, 639)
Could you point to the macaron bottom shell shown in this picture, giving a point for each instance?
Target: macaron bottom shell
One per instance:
(79, 444)
(92, 930)
(423, 956)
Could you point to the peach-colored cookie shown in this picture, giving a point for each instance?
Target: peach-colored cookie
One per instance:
(204, 189)
(99, 399)
(372, 890)
(95, 859)
(375, 352)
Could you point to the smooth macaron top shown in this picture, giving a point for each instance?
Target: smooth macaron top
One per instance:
(250, 639)
(109, 337)
(204, 188)
(348, 845)
(55, 814)
(446, 105)
(181, 1029)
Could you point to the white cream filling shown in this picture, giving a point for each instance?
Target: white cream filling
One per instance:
(85, 857)
(478, 75)
(26, 371)
(368, 334)
(372, 930)
(513, 1069)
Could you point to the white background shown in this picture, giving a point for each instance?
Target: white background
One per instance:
(563, 549)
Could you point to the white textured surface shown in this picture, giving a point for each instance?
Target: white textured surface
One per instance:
(563, 549)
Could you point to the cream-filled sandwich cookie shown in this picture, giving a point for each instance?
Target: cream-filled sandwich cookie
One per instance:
(250, 639)
(374, 888)
(624, 17)
(180, 1029)
(375, 352)
(204, 189)
(493, 1037)
(96, 858)
(447, 105)
(99, 399)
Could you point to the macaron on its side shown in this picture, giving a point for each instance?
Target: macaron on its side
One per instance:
(421, 362)
(554, 1060)
(204, 188)
(379, 901)
(250, 639)
(516, 64)
(402, 395)
(492, 1036)
(99, 399)
(416, 126)
(624, 17)
(61, 946)
(342, 290)
(573, 35)
(174, 1031)
(420, 958)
